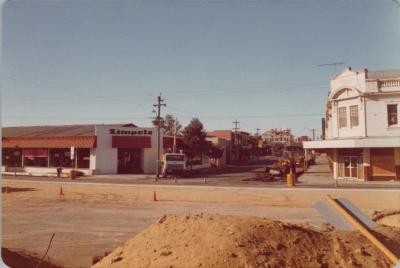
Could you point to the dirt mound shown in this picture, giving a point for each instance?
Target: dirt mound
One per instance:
(387, 217)
(206, 240)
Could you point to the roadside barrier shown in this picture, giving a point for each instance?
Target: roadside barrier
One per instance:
(290, 179)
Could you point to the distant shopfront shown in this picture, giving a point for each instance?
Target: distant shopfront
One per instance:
(92, 149)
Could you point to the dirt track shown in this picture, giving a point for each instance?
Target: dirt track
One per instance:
(90, 219)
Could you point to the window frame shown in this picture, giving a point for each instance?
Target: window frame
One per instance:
(354, 117)
(396, 114)
(342, 120)
(44, 159)
(10, 158)
(58, 157)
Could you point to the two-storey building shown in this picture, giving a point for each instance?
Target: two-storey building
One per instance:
(362, 129)
(275, 135)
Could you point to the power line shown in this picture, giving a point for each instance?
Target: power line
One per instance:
(184, 117)
(274, 85)
(213, 96)
(185, 93)
(68, 90)
(331, 64)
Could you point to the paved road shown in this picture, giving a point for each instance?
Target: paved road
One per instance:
(317, 176)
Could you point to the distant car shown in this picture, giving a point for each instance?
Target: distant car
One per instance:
(173, 164)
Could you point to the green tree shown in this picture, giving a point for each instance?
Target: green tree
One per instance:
(155, 122)
(214, 151)
(169, 125)
(254, 141)
(194, 138)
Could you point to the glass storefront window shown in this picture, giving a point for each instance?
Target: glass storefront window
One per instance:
(12, 157)
(36, 157)
(83, 155)
(61, 157)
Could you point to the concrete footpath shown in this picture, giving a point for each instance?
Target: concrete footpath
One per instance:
(320, 175)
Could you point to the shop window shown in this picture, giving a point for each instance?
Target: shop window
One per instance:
(36, 157)
(392, 114)
(83, 155)
(61, 157)
(342, 117)
(354, 116)
(12, 157)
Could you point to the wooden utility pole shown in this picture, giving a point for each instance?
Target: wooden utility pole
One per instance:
(258, 140)
(235, 136)
(174, 146)
(158, 105)
(313, 133)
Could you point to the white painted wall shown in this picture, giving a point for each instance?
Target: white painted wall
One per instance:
(372, 113)
(106, 157)
(377, 121)
(348, 131)
(92, 163)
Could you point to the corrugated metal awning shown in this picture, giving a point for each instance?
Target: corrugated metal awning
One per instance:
(131, 142)
(49, 142)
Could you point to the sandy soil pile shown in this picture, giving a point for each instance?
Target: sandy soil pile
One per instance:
(206, 240)
(387, 217)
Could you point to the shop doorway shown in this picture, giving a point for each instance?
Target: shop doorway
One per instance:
(129, 161)
(351, 166)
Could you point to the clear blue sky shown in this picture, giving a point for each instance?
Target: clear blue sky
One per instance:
(67, 62)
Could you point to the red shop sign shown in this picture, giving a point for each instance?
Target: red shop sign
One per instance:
(36, 152)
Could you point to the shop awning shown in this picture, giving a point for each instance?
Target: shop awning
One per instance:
(378, 142)
(139, 142)
(49, 142)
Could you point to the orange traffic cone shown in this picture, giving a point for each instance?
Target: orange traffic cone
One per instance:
(61, 191)
(154, 196)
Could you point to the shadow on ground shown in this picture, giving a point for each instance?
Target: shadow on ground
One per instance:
(8, 189)
(21, 260)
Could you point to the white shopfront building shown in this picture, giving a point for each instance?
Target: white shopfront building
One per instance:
(363, 125)
(92, 149)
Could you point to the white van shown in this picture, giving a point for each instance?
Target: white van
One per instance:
(173, 163)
